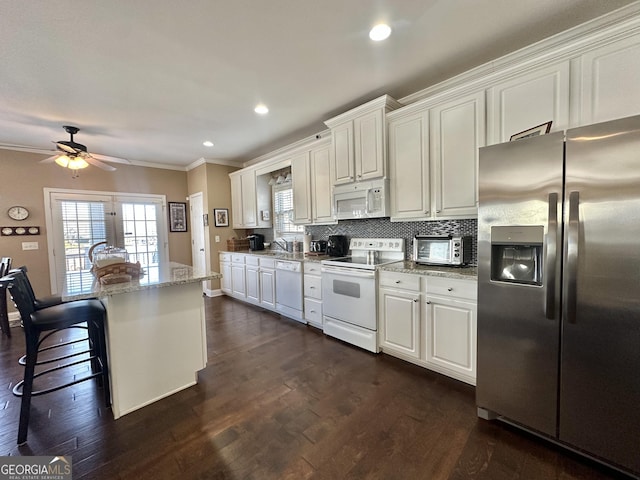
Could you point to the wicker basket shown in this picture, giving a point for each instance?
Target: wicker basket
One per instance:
(237, 245)
(116, 272)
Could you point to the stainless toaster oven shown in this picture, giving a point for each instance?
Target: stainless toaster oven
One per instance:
(442, 250)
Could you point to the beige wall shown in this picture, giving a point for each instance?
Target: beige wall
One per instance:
(22, 179)
(213, 181)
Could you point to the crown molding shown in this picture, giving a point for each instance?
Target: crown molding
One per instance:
(570, 43)
(203, 161)
(385, 101)
(307, 142)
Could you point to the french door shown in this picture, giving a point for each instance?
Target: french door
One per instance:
(77, 221)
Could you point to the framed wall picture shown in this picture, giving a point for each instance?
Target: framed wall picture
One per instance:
(221, 217)
(532, 132)
(177, 217)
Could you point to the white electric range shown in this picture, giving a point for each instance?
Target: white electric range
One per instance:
(350, 290)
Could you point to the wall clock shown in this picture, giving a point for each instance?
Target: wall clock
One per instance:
(18, 213)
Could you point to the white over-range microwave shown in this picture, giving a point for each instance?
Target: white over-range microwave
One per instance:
(361, 200)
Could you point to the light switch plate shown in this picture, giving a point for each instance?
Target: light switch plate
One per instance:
(30, 246)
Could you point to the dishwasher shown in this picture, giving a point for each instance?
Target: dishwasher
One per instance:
(289, 289)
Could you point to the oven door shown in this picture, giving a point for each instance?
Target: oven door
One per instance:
(349, 294)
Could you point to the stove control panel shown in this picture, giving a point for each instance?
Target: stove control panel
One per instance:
(379, 244)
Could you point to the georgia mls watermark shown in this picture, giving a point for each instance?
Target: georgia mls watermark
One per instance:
(36, 468)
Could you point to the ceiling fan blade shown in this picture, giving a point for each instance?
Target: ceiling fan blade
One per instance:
(107, 158)
(66, 148)
(49, 159)
(25, 148)
(97, 163)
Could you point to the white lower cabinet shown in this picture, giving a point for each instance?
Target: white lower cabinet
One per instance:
(430, 321)
(252, 278)
(238, 284)
(268, 283)
(451, 322)
(313, 294)
(399, 314)
(225, 269)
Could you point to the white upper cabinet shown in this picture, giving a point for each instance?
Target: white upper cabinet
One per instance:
(609, 82)
(301, 175)
(321, 186)
(433, 159)
(458, 131)
(409, 166)
(250, 195)
(528, 100)
(358, 142)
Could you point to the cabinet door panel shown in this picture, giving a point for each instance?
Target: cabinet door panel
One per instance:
(236, 201)
(610, 79)
(529, 100)
(342, 150)
(400, 314)
(253, 284)
(368, 146)
(301, 175)
(238, 280)
(267, 289)
(225, 282)
(409, 166)
(458, 131)
(321, 186)
(451, 336)
(249, 205)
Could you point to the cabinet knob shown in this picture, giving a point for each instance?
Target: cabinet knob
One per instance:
(438, 211)
(428, 302)
(312, 311)
(397, 281)
(312, 287)
(450, 289)
(415, 300)
(426, 212)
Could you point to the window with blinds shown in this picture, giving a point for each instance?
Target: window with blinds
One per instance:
(283, 212)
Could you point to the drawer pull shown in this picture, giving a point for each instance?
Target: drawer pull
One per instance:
(428, 302)
(312, 287)
(312, 311)
(397, 281)
(450, 289)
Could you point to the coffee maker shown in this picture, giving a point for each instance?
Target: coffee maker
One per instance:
(256, 242)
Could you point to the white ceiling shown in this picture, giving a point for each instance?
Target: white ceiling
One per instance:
(150, 80)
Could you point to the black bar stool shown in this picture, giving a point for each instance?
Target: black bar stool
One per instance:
(5, 266)
(50, 320)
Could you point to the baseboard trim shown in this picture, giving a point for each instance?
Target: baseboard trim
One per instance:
(213, 293)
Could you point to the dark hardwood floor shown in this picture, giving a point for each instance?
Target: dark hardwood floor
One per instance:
(279, 400)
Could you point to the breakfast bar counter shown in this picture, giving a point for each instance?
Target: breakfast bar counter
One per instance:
(156, 335)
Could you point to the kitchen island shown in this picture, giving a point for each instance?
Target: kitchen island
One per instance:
(156, 336)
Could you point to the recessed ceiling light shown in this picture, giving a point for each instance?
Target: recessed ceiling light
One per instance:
(208, 143)
(380, 32)
(261, 109)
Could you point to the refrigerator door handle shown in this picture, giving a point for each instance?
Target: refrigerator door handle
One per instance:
(571, 274)
(550, 260)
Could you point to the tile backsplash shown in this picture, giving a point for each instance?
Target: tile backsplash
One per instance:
(384, 228)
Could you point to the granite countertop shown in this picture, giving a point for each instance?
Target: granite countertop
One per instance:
(85, 285)
(280, 255)
(463, 273)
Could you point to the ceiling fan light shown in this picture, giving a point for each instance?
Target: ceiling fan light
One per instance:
(77, 163)
(62, 160)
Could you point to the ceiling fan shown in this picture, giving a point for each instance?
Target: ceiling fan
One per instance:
(74, 155)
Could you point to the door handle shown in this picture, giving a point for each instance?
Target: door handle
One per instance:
(571, 271)
(550, 260)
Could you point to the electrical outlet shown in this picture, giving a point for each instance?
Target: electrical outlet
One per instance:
(30, 246)
(217, 238)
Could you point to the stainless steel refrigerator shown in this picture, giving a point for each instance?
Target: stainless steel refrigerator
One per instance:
(559, 288)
